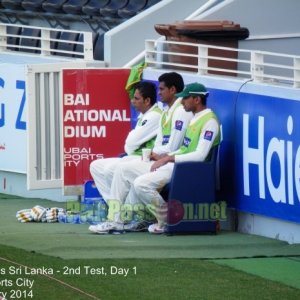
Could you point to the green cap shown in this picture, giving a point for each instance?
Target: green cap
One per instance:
(193, 89)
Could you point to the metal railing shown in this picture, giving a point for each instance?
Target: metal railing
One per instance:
(47, 42)
(261, 66)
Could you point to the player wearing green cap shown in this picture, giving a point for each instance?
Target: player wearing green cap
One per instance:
(172, 127)
(147, 179)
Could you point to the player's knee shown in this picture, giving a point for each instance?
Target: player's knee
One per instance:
(122, 169)
(93, 167)
(107, 172)
(97, 167)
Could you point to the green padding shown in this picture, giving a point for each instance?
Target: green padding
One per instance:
(282, 269)
(75, 241)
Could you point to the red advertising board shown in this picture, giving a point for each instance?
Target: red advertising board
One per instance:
(96, 120)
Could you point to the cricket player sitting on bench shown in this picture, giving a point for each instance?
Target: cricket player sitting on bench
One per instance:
(147, 179)
(173, 124)
(142, 136)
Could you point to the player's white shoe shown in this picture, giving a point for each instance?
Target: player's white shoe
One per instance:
(106, 227)
(156, 229)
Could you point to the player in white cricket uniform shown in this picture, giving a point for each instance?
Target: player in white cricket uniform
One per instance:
(173, 124)
(202, 134)
(142, 136)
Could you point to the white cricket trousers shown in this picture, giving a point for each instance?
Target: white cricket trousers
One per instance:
(133, 183)
(102, 171)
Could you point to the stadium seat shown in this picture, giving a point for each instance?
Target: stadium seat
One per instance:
(111, 10)
(29, 39)
(13, 40)
(67, 46)
(92, 8)
(79, 47)
(33, 5)
(74, 7)
(132, 8)
(192, 183)
(99, 47)
(150, 3)
(53, 6)
(12, 4)
(54, 35)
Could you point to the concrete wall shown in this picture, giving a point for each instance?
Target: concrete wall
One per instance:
(273, 25)
(124, 42)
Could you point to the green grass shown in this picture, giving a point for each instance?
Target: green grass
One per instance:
(160, 267)
(147, 279)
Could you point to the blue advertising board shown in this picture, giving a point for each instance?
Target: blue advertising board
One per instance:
(259, 155)
(268, 156)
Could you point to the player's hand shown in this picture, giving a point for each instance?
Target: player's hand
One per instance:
(161, 162)
(156, 157)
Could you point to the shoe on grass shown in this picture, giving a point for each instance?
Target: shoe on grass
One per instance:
(135, 226)
(107, 227)
(156, 229)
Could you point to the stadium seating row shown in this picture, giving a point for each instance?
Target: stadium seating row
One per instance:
(28, 40)
(99, 15)
(101, 8)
